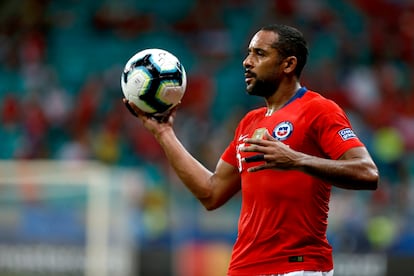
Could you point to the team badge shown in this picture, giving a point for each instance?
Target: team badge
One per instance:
(283, 130)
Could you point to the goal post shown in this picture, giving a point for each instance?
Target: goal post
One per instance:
(107, 248)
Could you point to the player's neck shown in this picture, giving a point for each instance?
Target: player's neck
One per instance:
(280, 98)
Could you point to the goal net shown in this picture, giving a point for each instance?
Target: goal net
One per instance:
(65, 218)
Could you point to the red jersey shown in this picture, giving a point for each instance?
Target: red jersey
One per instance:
(283, 218)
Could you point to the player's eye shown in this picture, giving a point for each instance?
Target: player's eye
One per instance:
(260, 52)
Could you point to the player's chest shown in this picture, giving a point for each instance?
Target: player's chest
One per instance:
(289, 128)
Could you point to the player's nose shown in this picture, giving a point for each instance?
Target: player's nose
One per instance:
(247, 62)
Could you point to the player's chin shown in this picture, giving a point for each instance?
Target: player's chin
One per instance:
(252, 91)
(249, 88)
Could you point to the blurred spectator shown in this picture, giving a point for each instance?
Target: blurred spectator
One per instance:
(60, 63)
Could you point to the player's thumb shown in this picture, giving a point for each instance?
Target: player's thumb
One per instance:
(268, 136)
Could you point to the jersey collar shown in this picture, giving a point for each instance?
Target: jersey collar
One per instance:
(301, 91)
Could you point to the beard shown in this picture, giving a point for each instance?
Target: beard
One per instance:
(262, 88)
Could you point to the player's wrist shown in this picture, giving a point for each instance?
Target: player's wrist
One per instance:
(164, 135)
(302, 162)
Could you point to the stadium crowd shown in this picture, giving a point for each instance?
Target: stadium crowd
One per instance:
(61, 61)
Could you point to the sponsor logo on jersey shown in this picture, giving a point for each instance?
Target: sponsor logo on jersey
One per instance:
(346, 134)
(259, 133)
(283, 130)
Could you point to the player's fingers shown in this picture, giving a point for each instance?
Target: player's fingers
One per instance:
(258, 142)
(254, 158)
(254, 148)
(259, 168)
(269, 137)
(165, 117)
(130, 108)
(172, 112)
(133, 108)
(161, 118)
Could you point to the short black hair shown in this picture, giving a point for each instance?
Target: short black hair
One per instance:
(291, 42)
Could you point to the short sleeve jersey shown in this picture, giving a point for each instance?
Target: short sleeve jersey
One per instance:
(283, 218)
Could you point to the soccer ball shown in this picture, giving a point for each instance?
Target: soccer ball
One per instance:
(154, 80)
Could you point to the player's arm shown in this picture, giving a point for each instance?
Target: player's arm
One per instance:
(355, 169)
(212, 189)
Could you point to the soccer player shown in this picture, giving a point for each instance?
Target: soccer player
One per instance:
(284, 159)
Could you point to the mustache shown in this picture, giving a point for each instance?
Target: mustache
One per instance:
(249, 74)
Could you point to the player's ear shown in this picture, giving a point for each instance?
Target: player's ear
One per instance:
(290, 64)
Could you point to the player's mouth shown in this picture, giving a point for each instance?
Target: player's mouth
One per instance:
(248, 76)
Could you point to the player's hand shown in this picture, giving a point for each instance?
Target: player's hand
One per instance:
(273, 153)
(154, 123)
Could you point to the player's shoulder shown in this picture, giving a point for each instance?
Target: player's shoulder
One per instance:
(316, 101)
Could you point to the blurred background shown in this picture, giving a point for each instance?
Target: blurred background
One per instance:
(60, 102)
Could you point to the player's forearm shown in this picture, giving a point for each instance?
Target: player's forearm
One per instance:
(191, 172)
(355, 174)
